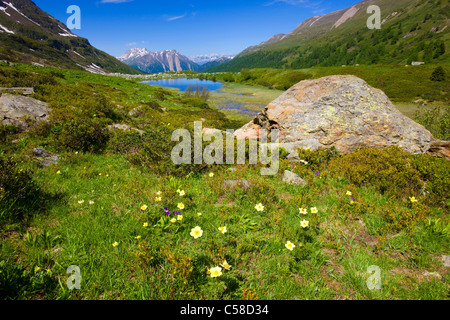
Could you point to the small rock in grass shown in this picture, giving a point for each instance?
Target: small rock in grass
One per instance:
(446, 261)
(233, 184)
(432, 274)
(293, 179)
(44, 158)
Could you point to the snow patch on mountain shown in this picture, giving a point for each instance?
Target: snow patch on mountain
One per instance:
(18, 11)
(4, 10)
(6, 30)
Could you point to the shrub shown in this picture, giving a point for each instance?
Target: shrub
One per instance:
(388, 170)
(6, 130)
(83, 135)
(19, 194)
(396, 173)
(436, 119)
(438, 74)
(125, 142)
(318, 160)
(434, 172)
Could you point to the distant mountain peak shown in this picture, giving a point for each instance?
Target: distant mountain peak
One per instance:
(206, 58)
(134, 53)
(154, 62)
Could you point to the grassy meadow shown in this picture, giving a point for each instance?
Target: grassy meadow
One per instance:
(138, 227)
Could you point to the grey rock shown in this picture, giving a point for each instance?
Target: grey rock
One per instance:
(124, 127)
(340, 111)
(16, 109)
(432, 274)
(233, 184)
(294, 179)
(446, 261)
(44, 158)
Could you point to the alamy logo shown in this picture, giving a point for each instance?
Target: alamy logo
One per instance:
(374, 281)
(74, 21)
(374, 21)
(214, 153)
(74, 281)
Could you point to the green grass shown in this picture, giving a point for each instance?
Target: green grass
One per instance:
(330, 260)
(92, 200)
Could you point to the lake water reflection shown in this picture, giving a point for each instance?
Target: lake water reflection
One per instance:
(184, 83)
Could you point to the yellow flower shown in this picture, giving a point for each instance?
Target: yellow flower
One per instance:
(197, 232)
(413, 199)
(182, 193)
(215, 272)
(304, 224)
(290, 246)
(180, 206)
(349, 193)
(259, 207)
(211, 175)
(226, 265)
(138, 238)
(59, 172)
(352, 202)
(48, 270)
(145, 225)
(115, 244)
(144, 207)
(158, 199)
(159, 193)
(37, 269)
(180, 218)
(173, 220)
(223, 229)
(303, 211)
(314, 210)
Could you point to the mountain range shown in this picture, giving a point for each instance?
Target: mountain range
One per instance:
(30, 35)
(207, 58)
(411, 30)
(168, 61)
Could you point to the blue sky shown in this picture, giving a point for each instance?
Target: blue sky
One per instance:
(192, 27)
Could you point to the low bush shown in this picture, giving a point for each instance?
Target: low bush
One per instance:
(83, 135)
(388, 170)
(394, 172)
(6, 130)
(19, 194)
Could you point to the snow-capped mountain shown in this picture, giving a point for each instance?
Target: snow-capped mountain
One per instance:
(134, 54)
(205, 58)
(155, 62)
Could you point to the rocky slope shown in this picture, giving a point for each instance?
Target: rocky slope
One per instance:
(30, 35)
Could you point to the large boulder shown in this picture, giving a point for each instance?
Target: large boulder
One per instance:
(16, 110)
(338, 111)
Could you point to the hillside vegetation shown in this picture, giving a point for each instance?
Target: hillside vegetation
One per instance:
(118, 208)
(413, 30)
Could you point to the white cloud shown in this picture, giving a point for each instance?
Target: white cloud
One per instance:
(177, 17)
(115, 1)
(291, 2)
